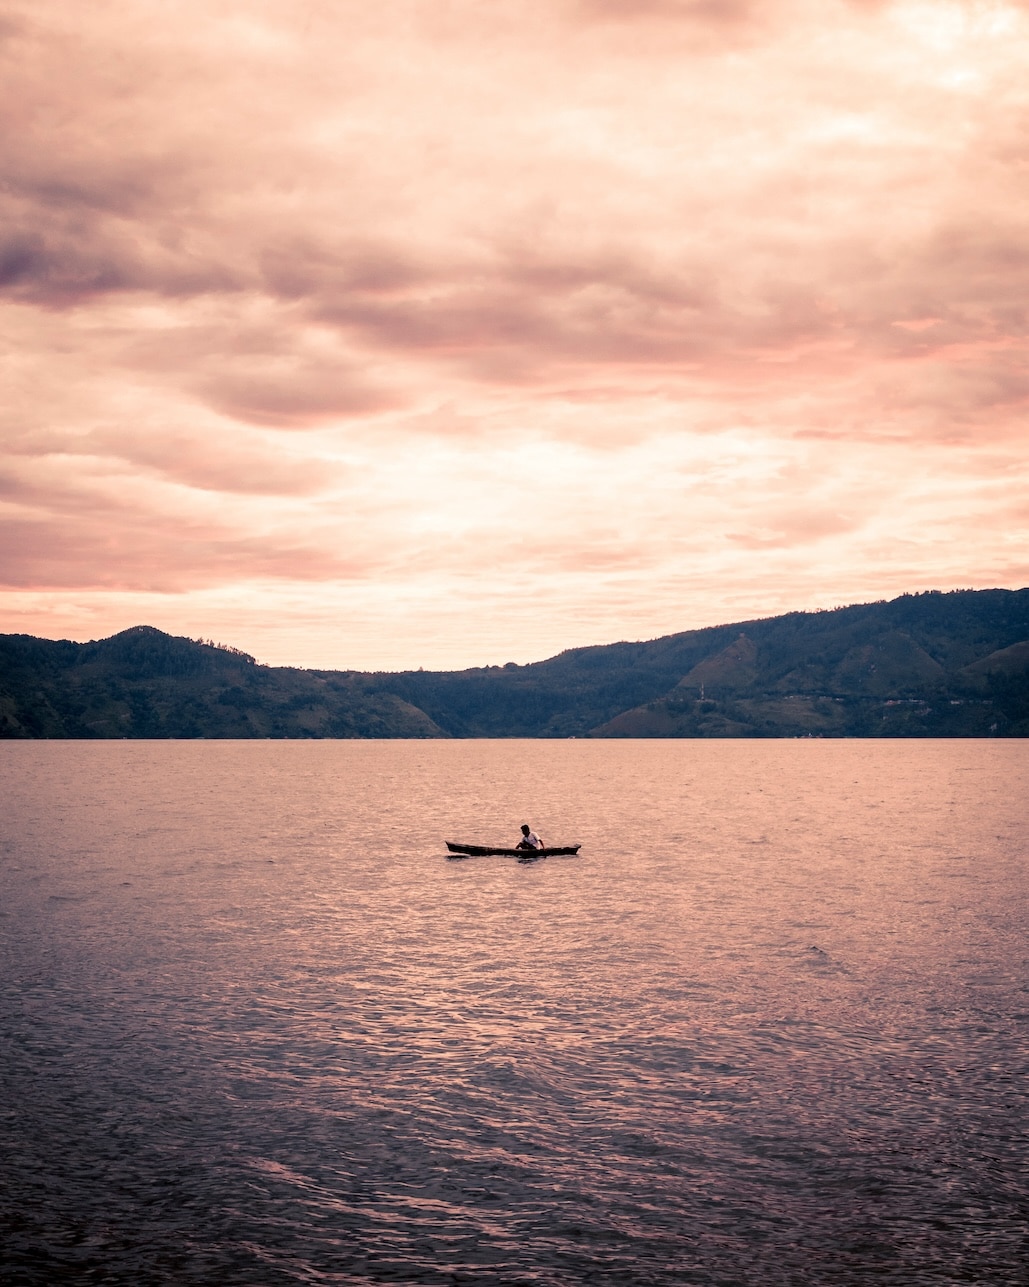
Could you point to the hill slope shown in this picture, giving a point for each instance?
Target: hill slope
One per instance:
(943, 665)
(143, 683)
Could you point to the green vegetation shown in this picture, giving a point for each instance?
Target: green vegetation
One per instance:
(143, 683)
(928, 665)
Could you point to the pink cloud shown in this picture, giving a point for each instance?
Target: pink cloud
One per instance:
(291, 397)
(197, 461)
(264, 270)
(715, 12)
(790, 530)
(144, 554)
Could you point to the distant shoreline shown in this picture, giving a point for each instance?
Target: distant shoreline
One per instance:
(926, 665)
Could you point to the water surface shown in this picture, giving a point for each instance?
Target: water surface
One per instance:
(769, 1027)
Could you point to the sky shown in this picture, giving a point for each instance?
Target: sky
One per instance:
(448, 333)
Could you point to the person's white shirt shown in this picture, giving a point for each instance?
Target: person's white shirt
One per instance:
(533, 840)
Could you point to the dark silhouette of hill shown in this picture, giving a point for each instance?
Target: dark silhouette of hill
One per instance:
(143, 683)
(926, 665)
(930, 664)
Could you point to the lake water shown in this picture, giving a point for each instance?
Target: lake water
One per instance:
(768, 1028)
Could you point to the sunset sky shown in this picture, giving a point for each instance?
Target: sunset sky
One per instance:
(454, 332)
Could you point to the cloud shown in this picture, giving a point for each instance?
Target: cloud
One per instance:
(343, 291)
(213, 464)
(290, 394)
(52, 554)
(791, 530)
(612, 254)
(715, 12)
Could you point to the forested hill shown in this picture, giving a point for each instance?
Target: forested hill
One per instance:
(144, 683)
(929, 665)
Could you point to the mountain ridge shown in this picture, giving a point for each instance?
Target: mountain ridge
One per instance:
(947, 664)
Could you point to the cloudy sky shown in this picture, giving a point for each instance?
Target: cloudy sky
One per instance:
(453, 332)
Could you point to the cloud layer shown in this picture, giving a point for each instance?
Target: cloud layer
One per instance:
(354, 334)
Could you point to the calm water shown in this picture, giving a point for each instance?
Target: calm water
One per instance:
(769, 1027)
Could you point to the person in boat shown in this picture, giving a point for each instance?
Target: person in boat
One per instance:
(529, 839)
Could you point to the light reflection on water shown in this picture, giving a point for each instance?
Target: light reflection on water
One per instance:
(768, 1028)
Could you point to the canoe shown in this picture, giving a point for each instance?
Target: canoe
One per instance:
(491, 851)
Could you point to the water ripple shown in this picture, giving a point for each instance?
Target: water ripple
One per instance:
(254, 1029)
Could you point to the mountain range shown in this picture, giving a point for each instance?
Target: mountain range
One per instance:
(924, 665)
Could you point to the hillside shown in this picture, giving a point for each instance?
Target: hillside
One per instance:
(940, 665)
(929, 665)
(146, 684)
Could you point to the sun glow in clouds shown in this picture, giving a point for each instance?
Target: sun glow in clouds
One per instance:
(452, 335)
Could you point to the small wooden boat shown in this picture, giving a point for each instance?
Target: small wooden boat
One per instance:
(527, 855)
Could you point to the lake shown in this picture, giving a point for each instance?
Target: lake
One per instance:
(769, 1027)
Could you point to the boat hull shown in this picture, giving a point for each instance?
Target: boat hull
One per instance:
(493, 851)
